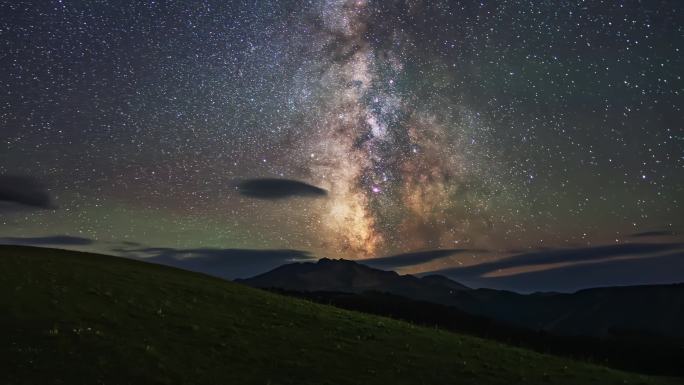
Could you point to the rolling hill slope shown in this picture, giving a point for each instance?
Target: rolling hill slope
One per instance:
(77, 318)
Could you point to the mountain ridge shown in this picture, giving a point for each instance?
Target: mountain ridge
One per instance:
(593, 312)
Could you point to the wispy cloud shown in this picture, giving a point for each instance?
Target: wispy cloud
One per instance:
(590, 266)
(414, 258)
(224, 263)
(655, 233)
(20, 190)
(52, 240)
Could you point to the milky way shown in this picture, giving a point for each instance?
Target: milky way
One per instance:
(430, 124)
(393, 169)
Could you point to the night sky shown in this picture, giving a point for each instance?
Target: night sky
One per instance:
(496, 127)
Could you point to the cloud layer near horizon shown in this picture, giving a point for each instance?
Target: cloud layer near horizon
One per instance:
(51, 240)
(568, 270)
(562, 270)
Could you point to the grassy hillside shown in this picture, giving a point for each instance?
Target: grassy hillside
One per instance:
(75, 318)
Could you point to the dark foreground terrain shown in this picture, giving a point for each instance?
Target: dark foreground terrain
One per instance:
(76, 318)
(635, 328)
(642, 353)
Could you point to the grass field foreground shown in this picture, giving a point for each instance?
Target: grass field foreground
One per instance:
(78, 318)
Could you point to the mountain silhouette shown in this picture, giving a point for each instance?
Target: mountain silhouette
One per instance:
(656, 310)
(347, 276)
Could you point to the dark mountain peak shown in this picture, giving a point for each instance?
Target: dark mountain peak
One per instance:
(342, 275)
(346, 265)
(339, 262)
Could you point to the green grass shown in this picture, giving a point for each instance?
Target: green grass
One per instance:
(76, 318)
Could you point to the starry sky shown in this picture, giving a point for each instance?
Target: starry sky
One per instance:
(494, 126)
